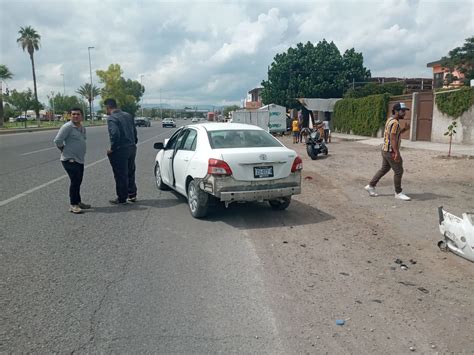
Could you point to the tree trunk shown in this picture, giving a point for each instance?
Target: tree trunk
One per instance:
(1, 104)
(450, 140)
(34, 86)
(90, 110)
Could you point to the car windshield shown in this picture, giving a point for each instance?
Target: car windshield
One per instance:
(241, 139)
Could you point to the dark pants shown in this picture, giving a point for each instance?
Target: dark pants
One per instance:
(123, 166)
(75, 172)
(387, 164)
(326, 135)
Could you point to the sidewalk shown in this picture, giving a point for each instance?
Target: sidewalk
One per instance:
(456, 149)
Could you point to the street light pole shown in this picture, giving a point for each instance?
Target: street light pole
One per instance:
(161, 107)
(91, 101)
(141, 83)
(64, 85)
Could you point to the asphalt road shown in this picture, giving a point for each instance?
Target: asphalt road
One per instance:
(145, 277)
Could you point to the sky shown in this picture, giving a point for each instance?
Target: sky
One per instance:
(214, 52)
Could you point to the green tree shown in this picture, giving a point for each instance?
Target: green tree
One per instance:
(375, 89)
(22, 101)
(126, 92)
(311, 71)
(30, 40)
(64, 103)
(462, 60)
(228, 109)
(89, 93)
(5, 74)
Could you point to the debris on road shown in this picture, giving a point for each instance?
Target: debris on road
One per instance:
(340, 322)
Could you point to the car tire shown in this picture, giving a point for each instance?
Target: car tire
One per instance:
(280, 204)
(158, 180)
(198, 200)
(310, 152)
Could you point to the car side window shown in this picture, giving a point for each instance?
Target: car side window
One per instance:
(172, 142)
(180, 140)
(190, 143)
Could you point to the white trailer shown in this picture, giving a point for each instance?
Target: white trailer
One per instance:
(253, 117)
(277, 118)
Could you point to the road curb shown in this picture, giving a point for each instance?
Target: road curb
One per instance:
(31, 130)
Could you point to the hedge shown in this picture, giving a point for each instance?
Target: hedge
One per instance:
(362, 116)
(455, 103)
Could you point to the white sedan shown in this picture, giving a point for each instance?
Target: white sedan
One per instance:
(227, 162)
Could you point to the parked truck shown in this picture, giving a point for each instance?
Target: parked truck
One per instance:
(271, 118)
(276, 118)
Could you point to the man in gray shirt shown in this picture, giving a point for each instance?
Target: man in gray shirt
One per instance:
(122, 152)
(71, 141)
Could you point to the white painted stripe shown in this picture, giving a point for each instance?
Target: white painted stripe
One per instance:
(39, 187)
(40, 150)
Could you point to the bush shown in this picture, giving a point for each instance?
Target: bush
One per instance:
(455, 103)
(375, 89)
(362, 116)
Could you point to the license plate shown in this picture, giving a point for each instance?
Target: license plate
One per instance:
(263, 171)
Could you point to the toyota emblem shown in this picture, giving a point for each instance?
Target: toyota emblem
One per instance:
(263, 156)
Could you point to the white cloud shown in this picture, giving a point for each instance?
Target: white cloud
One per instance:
(213, 52)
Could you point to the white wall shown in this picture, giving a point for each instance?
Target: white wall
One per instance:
(464, 131)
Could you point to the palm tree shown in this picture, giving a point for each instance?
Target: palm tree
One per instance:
(30, 40)
(89, 93)
(5, 74)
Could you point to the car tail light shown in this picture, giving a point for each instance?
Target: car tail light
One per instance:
(297, 165)
(218, 167)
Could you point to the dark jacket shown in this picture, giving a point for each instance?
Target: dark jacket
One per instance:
(122, 130)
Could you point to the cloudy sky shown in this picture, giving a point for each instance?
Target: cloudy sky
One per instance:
(213, 52)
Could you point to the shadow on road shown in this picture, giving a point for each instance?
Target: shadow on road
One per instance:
(139, 205)
(426, 196)
(260, 215)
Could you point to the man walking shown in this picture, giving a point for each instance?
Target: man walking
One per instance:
(122, 152)
(71, 141)
(391, 158)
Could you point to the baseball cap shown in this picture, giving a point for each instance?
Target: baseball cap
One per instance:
(400, 106)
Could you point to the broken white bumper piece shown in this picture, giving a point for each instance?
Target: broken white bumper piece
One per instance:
(458, 233)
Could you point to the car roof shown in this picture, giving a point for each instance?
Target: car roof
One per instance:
(211, 126)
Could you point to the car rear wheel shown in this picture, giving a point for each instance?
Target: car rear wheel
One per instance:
(159, 182)
(198, 200)
(280, 204)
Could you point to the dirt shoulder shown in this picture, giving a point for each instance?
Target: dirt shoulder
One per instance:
(332, 256)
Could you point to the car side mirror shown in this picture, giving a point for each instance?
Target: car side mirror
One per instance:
(159, 146)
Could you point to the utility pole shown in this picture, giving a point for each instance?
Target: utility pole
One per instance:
(64, 85)
(161, 106)
(91, 101)
(141, 83)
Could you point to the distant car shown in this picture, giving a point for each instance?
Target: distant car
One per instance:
(195, 119)
(185, 118)
(169, 122)
(227, 162)
(142, 122)
(22, 118)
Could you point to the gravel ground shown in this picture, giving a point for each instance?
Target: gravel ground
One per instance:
(336, 259)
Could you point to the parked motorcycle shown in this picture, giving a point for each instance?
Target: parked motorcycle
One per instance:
(315, 145)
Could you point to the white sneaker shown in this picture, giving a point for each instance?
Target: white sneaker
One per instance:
(371, 191)
(402, 196)
(75, 209)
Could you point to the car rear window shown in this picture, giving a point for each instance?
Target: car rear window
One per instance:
(241, 139)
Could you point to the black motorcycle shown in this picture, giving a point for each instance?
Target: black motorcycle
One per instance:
(315, 145)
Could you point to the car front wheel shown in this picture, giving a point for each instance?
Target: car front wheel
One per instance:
(280, 204)
(158, 180)
(198, 200)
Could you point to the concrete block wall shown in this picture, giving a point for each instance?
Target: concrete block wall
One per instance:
(465, 127)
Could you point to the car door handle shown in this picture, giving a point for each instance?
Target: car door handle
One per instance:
(186, 159)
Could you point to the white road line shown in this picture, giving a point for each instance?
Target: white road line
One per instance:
(39, 187)
(40, 150)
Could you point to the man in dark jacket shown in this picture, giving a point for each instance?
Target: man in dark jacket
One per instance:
(122, 152)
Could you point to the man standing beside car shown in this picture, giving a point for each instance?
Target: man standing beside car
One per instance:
(122, 152)
(71, 141)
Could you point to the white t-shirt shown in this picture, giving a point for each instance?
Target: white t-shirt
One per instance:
(326, 124)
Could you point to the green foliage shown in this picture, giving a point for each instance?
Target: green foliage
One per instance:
(462, 60)
(21, 100)
(455, 103)
(451, 129)
(375, 89)
(88, 93)
(228, 109)
(126, 92)
(311, 71)
(362, 116)
(64, 103)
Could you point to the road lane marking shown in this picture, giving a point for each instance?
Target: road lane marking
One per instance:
(39, 187)
(40, 150)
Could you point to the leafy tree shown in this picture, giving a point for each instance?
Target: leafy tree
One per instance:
(462, 60)
(30, 40)
(64, 103)
(126, 92)
(5, 74)
(228, 109)
(311, 71)
(375, 89)
(89, 93)
(22, 101)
